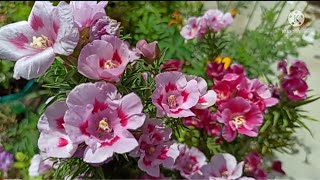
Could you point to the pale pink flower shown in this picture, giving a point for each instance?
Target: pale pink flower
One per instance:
(87, 12)
(104, 26)
(53, 140)
(40, 164)
(207, 97)
(195, 28)
(217, 20)
(154, 148)
(50, 30)
(98, 116)
(189, 161)
(239, 115)
(174, 95)
(223, 167)
(105, 59)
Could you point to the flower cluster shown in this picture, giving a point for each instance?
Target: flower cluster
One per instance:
(294, 82)
(213, 20)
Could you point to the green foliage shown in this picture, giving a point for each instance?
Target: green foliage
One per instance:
(264, 45)
(13, 11)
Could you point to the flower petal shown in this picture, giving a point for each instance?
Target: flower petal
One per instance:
(207, 100)
(35, 65)
(97, 156)
(15, 39)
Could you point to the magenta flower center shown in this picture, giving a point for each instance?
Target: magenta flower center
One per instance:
(110, 64)
(104, 125)
(238, 121)
(41, 42)
(172, 101)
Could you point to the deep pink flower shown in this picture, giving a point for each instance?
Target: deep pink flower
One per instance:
(87, 12)
(105, 59)
(195, 28)
(189, 161)
(40, 164)
(282, 66)
(53, 140)
(215, 70)
(207, 97)
(217, 20)
(299, 69)
(98, 116)
(227, 87)
(154, 148)
(222, 166)
(171, 65)
(174, 95)
(239, 115)
(34, 44)
(257, 93)
(236, 69)
(104, 26)
(203, 119)
(149, 51)
(296, 88)
(277, 166)
(253, 166)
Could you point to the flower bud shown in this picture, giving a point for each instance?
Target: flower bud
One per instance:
(150, 51)
(104, 26)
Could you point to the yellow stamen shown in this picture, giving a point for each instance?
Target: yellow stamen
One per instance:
(227, 61)
(172, 101)
(41, 42)
(238, 121)
(104, 125)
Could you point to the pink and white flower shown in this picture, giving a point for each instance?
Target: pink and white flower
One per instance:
(50, 30)
(105, 59)
(239, 115)
(223, 167)
(217, 20)
(98, 116)
(40, 164)
(87, 12)
(53, 140)
(195, 28)
(189, 161)
(175, 95)
(104, 26)
(154, 148)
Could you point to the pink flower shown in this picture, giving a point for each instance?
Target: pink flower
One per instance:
(53, 140)
(204, 119)
(174, 95)
(98, 116)
(87, 12)
(104, 26)
(299, 69)
(105, 59)
(239, 115)
(217, 20)
(216, 70)
(282, 66)
(253, 166)
(257, 93)
(189, 161)
(222, 166)
(207, 97)
(295, 88)
(171, 65)
(34, 44)
(195, 28)
(40, 164)
(150, 51)
(154, 148)
(227, 87)
(277, 166)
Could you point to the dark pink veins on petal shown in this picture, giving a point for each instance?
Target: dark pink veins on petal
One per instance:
(170, 87)
(62, 142)
(36, 22)
(99, 106)
(123, 117)
(83, 128)
(110, 143)
(60, 122)
(116, 57)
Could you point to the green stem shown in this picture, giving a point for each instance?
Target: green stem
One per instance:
(250, 17)
(281, 9)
